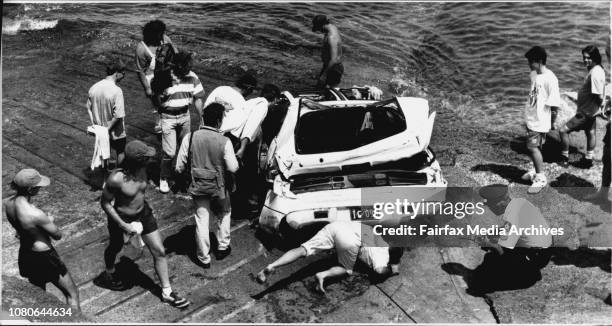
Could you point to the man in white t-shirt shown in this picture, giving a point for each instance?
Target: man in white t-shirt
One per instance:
(543, 98)
(516, 259)
(349, 241)
(590, 99)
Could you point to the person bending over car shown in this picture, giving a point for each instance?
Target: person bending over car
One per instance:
(346, 238)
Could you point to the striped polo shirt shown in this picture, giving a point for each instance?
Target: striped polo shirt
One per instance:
(177, 98)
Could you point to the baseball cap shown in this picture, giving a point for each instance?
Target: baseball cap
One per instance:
(318, 21)
(27, 178)
(494, 193)
(137, 149)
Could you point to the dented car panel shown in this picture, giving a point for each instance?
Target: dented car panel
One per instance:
(414, 139)
(315, 180)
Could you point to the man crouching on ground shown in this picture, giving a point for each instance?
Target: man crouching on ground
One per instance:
(126, 186)
(346, 237)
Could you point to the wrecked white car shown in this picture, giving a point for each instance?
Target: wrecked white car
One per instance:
(327, 153)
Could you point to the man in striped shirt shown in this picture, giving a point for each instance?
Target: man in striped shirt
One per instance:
(186, 90)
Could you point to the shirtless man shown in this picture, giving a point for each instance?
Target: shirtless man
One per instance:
(331, 54)
(126, 187)
(38, 260)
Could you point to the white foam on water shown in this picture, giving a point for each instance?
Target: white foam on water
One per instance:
(11, 27)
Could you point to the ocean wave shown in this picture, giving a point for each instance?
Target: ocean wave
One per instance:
(12, 27)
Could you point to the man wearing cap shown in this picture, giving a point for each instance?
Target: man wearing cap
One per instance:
(331, 54)
(516, 259)
(106, 107)
(126, 187)
(38, 261)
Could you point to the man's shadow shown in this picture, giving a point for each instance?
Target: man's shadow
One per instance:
(508, 172)
(517, 277)
(582, 257)
(130, 275)
(183, 243)
(551, 150)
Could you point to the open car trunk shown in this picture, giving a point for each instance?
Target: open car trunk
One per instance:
(331, 136)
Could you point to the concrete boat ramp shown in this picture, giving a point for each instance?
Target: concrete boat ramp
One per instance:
(44, 123)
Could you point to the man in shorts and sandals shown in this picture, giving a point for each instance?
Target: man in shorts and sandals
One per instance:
(38, 261)
(544, 98)
(153, 38)
(128, 212)
(106, 107)
(589, 102)
(349, 241)
(331, 53)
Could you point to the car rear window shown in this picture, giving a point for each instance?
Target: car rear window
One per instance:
(339, 129)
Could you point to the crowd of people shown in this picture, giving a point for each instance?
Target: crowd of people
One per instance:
(220, 161)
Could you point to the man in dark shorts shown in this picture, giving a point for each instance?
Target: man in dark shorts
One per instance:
(106, 107)
(590, 99)
(126, 186)
(38, 260)
(331, 55)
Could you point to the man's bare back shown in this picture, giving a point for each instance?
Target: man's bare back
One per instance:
(34, 228)
(331, 47)
(331, 52)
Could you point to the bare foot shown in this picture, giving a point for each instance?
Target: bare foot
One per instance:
(320, 279)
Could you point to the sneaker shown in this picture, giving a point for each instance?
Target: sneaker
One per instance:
(110, 281)
(539, 182)
(563, 161)
(176, 301)
(203, 265)
(222, 253)
(528, 176)
(163, 186)
(585, 163)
